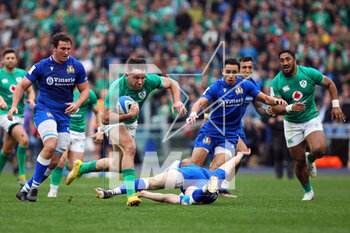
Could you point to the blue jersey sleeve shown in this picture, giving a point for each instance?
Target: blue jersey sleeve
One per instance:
(252, 90)
(34, 72)
(81, 74)
(209, 93)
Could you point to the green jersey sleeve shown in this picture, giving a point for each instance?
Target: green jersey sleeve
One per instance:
(154, 81)
(274, 91)
(92, 99)
(316, 75)
(111, 99)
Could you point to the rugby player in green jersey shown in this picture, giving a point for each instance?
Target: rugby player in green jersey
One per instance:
(302, 125)
(10, 76)
(121, 128)
(77, 138)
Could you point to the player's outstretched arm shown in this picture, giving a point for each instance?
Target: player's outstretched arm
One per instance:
(17, 95)
(202, 101)
(269, 100)
(284, 110)
(337, 113)
(160, 197)
(175, 91)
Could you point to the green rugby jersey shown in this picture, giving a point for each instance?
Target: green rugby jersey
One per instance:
(8, 83)
(77, 120)
(299, 88)
(120, 87)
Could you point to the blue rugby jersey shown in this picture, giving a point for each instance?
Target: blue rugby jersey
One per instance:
(227, 110)
(56, 81)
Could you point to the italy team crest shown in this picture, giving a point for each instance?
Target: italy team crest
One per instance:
(206, 140)
(239, 90)
(70, 70)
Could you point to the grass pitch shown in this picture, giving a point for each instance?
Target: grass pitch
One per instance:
(265, 204)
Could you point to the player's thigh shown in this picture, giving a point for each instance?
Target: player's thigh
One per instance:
(170, 179)
(120, 137)
(199, 155)
(72, 156)
(219, 159)
(63, 159)
(298, 152)
(20, 135)
(241, 146)
(317, 142)
(8, 144)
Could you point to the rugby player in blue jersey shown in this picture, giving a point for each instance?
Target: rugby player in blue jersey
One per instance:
(56, 76)
(219, 135)
(198, 185)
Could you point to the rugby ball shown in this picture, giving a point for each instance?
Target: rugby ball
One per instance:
(124, 104)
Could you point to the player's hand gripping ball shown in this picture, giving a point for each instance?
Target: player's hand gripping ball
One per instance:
(124, 104)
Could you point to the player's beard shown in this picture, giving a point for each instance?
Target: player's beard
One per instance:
(288, 74)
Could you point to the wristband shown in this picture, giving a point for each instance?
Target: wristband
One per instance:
(206, 115)
(335, 103)
(100, 130)
(240, 154)
(289, 108)
(267, 110)
(193, 114)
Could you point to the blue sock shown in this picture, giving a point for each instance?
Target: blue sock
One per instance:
(46, 174)
(40, 169)
(197, 195)
(139, 185)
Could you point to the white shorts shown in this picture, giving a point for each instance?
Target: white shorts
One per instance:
(77, 141)
(130, 127)
(6, 124)
(296, 133)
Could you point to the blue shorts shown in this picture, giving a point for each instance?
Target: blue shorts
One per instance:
(42, 114)
(198, 176)
(210, 143)
(241, 134)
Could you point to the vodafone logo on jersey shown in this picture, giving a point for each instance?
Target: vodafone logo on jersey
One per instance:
(12, 88)
(297, 95)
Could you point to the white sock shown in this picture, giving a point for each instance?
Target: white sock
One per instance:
(48, 172)
(225, 184)
(116, 191)
(146, 180)
(54, 188)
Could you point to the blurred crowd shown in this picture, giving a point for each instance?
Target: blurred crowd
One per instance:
(181, 38)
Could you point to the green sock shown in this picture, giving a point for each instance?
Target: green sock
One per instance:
(3, 160)
(310, 159)
(56, 176)
(21, 157)
(66, 165)
(129, 179)
(88, 167)
(307, 187)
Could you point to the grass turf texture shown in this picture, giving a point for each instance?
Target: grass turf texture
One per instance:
(265, 204)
